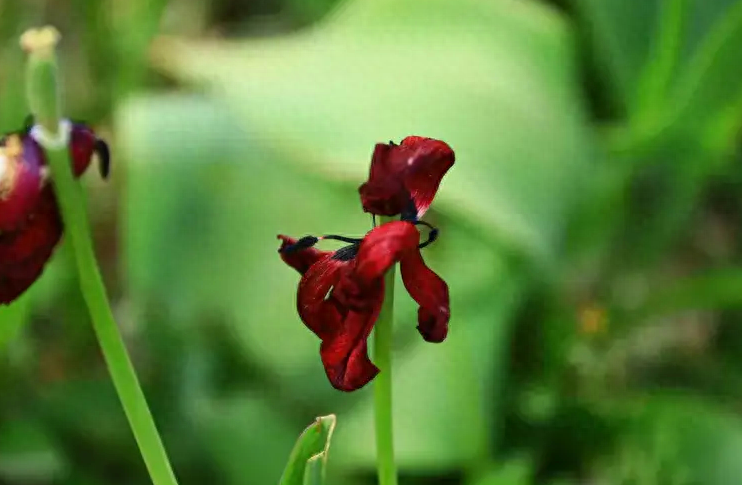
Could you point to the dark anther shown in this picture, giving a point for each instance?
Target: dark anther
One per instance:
(373, 219)
(351, 240)
(347, 253)
(303, 243)
(432, 235)
(409, 212)
(104, 157)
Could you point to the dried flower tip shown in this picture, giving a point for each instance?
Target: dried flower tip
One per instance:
(41, 41)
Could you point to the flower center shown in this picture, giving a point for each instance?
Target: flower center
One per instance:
(349, 252)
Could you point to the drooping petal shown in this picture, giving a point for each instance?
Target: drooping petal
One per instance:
(404, 174)
(345, 354)
(431, 294)
(321, 315)
(382, 247)
(300, 260)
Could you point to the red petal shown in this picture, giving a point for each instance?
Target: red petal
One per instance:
(82, 147)
(24, 173)
(430, 161)
(410, 171)
(431, 293)
(300, 260)
(25, 252)
(382, 247)
(345, 354)
(320, 315)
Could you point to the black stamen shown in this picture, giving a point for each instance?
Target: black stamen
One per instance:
(409, 213)
(352, 240)
(373, 219)
(346, 253)
(104, 157)
(432, 235)
(303, 243)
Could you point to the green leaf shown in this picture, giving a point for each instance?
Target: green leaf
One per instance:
(309, 457)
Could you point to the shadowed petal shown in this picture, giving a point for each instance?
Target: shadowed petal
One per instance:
(321, 315)
(345, 354)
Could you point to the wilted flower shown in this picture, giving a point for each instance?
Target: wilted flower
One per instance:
(404, 178)
(341, 293)
(30, 223)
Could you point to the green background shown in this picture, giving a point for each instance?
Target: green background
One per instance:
(589, 236)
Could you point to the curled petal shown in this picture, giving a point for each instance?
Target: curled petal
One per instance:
(345, 353)
(431, 294)
(320, 314)
(429, 163)
(407, 173)
(300, 260)
(382, 247)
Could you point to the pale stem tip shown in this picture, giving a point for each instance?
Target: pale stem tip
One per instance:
(40, 41)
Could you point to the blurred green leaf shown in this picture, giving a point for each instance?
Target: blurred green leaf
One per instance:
(307, 462)
(498, 86)
(246, 437)
(28, 453)
(681, 438)
(516, 471)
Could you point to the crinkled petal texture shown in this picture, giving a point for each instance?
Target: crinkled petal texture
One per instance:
(405, 176)
(398, 241)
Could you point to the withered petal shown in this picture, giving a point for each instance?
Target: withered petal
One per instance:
(320, 314)
(345, 354)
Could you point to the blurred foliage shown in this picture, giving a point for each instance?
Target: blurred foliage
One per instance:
(589, 235)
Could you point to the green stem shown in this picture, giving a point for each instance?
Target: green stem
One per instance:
(122, 372)
(43, 91)
(383, 383)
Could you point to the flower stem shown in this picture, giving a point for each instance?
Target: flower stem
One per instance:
(43, 98)
(383, 383)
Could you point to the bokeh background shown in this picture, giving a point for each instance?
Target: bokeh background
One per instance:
(589, 236)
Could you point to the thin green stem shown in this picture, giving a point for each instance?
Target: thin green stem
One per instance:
(383, 383)
(42, 88)
(122, 372)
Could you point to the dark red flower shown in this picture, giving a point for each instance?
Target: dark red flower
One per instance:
(341, 293)
(404, 178)
(30, 223)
